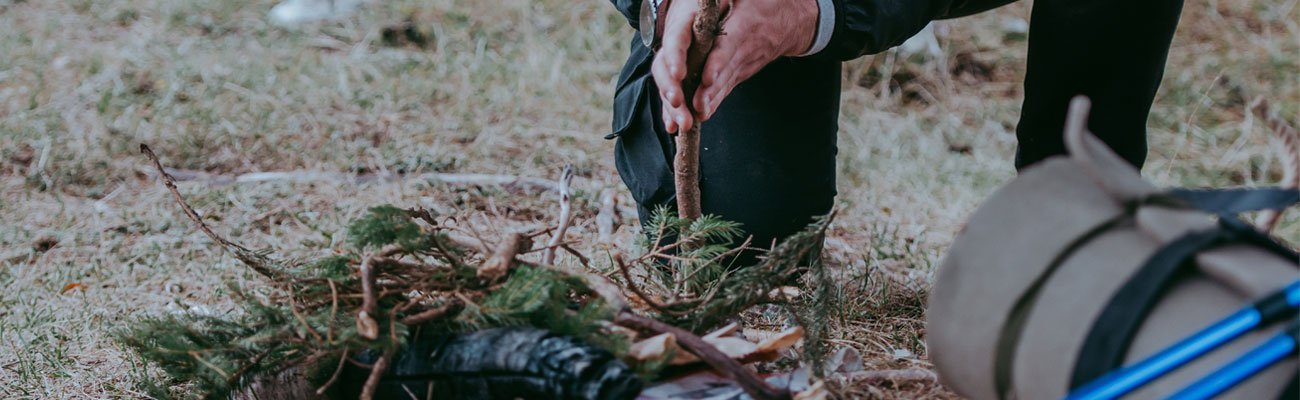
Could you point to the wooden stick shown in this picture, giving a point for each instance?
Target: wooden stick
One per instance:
(376, 374)
(367, 327)
(729, 368)
(335, 377)
(607, 219)
(566, 215)
(503, 258)
(686, 163)
(453, 306)
(240, 252)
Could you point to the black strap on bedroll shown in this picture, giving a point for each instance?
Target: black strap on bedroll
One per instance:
(1014, 326)
(1108, 341)
(1236, 201)
(1220, 202)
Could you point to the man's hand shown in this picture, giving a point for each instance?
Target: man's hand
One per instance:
(754, 33)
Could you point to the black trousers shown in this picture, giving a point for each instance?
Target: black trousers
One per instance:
(767, 157)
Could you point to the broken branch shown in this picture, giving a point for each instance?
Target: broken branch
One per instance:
(729, 368)
(376, 373)
(504, 256)
(367, 327)
(452, 306)
(566, 216)
(607, 218)
(335, 377)
(243, 254)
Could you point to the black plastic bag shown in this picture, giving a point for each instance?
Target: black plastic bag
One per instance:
(502, 363)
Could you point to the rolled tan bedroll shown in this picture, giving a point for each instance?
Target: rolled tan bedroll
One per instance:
(1079, 266)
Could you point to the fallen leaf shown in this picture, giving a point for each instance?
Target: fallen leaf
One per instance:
(782, 340)
(73, 285)
(723, 331)
(652, 348)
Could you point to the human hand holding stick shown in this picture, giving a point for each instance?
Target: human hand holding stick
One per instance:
(697, 66)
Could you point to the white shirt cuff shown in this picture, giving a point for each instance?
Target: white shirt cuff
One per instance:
(825, 27)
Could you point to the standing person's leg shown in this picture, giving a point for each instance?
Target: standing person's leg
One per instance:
(1112, 51)
(767, 157)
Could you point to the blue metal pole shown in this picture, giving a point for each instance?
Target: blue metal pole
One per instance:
(1121, 381)
(1272, 351)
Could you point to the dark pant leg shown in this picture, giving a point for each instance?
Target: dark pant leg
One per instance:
(767, 156)
(1112, 51)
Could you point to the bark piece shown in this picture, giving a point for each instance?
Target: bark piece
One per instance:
(503, 257)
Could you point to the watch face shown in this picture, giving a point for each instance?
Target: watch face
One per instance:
(647, 23)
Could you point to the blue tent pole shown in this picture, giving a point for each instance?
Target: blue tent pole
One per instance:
(1117, 383)
(1275, 349)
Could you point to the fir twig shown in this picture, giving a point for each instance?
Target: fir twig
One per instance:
(452, 306)
(376, 374)
(248, 257)
(582, 259)
(334, 377)
(334, 311)
(635, 288)
(367, 327)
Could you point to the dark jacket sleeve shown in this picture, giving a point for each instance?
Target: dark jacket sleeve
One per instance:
(631, 9)
(872, 26)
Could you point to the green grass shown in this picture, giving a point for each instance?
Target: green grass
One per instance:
(511, 87)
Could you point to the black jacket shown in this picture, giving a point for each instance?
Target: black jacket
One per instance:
(861, 27)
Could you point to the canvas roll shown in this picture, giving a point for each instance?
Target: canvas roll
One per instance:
(1026, 281)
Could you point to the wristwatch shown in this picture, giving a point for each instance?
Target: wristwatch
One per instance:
(652, 22)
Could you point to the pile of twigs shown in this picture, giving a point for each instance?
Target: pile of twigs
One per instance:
(414, 271)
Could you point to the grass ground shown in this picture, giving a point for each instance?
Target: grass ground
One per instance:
(510, 87)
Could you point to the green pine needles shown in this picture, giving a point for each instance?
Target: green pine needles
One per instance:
(697, 284)
(308, 319)
(406, 274)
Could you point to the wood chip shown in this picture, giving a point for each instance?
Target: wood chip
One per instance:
(653, 347)
(782, 340)
(503, 258)
(727, 330)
